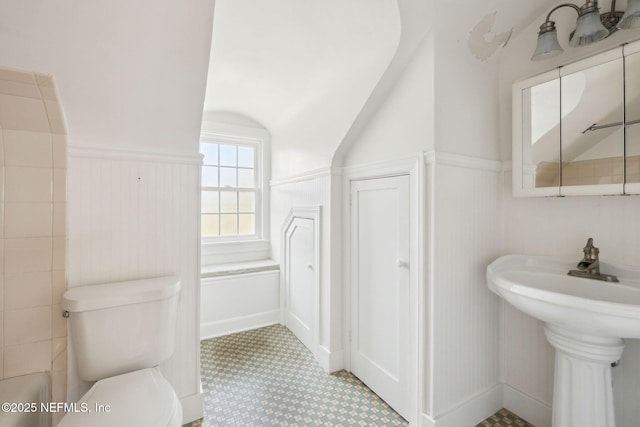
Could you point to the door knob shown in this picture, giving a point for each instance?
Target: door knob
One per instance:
(400, 263)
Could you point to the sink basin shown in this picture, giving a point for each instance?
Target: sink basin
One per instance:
(585, 321)
(540, 287)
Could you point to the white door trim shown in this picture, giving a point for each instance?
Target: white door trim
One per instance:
(312, 213)
(415, 167)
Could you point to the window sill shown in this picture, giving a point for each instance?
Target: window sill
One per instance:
(231, 269)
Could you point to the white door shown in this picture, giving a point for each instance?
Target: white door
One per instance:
(380, 285)
(299, 298)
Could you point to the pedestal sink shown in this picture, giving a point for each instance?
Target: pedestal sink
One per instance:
(585, 321)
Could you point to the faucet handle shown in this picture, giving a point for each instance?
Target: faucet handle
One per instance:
(590, 251)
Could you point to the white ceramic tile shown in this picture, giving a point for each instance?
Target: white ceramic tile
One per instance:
(23, 184)
(25, 148)
(59, 219)
(59, 386)
(1, 301)
(1, 148)
(27, 325)
(59, 253)
(27, 290)
(41, 78)
(59, 151)
(59, 358)
(28, 220)
(27, 358)
(19, 76)
(56, 117)
(58, 323)
(59, 286)
(59, 185)
(47, 87)
(20, 113)
(27, 255)
(26, 90)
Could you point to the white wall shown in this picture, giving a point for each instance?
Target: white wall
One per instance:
(131, 79)
(404, 123)
(320, 188)
(304, 72)
(561, 226)
(238, 302)
(135, 218)
(445, 102)
(463, 234)
(129, 74)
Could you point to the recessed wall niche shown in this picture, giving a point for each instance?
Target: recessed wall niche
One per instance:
(33, 153)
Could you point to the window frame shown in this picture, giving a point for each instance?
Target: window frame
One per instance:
(256, 189)
(241, 247)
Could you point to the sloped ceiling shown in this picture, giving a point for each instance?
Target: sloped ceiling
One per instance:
(301, 68)
(305, 69)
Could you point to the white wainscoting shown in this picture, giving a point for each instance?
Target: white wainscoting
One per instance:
(463, 350)
(235, 303)
(307, 330)
(527, 407)
(470, 412)
(317, 188)
(134, 214)
(559, 226)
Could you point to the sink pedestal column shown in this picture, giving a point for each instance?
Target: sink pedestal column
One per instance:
(583, 392)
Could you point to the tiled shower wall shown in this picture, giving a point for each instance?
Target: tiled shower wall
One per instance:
(32, 228)
(589, 172)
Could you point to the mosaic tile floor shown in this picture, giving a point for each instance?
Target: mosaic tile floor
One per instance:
(504, 418)
(266, 377)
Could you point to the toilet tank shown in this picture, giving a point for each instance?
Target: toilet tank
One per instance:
(122, 327)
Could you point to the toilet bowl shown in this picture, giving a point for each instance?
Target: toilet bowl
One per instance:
(138, 398)
(120, 333)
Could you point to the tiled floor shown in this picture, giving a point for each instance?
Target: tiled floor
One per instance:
(266, 377)
(504, 418)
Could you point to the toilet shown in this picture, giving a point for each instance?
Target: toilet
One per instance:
(120, 333)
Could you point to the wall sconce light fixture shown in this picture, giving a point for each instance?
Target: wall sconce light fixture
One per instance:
(590, 27)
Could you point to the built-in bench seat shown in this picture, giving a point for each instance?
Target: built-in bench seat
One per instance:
(239, 268)
(239, 296)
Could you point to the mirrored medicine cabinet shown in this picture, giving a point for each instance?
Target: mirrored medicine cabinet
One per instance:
(576, 129)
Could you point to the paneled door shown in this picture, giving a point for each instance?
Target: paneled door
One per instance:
(380, 286)
(299, 272)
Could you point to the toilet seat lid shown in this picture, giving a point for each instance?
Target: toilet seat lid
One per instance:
(139, 398)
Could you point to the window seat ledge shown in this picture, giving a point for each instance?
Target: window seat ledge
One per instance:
(235, 268)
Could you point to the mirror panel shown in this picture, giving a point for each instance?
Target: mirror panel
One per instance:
(576, 129)
(632, 113)
(540, 135)
(592, 136)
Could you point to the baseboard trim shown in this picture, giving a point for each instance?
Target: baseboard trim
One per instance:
(238, 324)
(330, 361)
(192, 407)
(526, 407)
(469, 413)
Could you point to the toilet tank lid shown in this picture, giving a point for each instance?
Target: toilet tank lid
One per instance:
(96, 297)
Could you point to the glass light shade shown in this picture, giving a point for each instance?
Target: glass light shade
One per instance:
(589, 29)
(631, 17)
(548, 46)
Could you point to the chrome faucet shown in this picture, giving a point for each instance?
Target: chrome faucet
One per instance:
(589, 267)
(591, 260)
